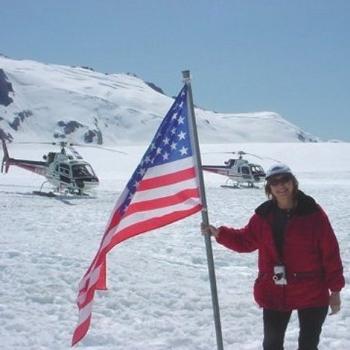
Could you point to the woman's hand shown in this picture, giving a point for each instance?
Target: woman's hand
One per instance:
(334, 302)
(209, 230)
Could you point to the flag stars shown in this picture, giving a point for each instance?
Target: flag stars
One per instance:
(181, 135)
(181, 120)
(136, 184)
(170, 143)
(166, 141)
(142, 171)
(183, 151)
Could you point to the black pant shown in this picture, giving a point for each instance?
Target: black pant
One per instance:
(310, 323)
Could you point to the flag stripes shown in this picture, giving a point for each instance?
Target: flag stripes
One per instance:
(166, 179)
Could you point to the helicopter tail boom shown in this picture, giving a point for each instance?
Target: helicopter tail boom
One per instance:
(217, 169)
(37, 167)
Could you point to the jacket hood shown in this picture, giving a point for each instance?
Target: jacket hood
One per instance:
(305, 205)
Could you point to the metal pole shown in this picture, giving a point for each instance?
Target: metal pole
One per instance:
(197, 156)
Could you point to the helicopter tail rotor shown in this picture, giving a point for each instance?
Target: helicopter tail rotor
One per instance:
(5, 161)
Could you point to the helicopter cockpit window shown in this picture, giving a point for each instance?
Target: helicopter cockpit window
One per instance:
(257, 170)
(82, 170)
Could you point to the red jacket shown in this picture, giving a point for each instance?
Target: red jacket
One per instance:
(310, 255)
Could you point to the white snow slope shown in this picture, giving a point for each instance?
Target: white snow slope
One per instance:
(159, 295)
(121, 107)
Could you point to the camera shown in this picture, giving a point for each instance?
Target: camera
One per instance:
(279, 276)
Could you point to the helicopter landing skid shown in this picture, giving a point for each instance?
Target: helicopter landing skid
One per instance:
(230, 186)
(57, 193)
(238, 185)
(44, 194)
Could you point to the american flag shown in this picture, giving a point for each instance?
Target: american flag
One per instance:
(164, 188)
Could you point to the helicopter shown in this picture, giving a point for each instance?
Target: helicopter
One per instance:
(239, 171)
(65, 170)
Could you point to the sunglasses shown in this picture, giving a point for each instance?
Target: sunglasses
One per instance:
(281, 180)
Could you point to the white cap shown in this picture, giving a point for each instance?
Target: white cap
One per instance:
(278, 169)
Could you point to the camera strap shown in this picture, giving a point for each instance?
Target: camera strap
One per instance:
(280, 218)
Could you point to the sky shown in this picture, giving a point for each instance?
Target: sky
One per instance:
(289, 57)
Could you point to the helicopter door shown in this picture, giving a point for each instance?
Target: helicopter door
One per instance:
(64, 172)
(245, 171)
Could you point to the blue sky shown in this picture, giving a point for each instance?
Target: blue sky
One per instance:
(287, 56)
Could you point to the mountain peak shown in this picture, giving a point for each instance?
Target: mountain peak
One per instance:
(46, 101)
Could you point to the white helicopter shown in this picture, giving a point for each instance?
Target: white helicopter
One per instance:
(239, 171)
(65, 170)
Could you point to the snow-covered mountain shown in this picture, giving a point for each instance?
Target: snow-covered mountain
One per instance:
(43, 102)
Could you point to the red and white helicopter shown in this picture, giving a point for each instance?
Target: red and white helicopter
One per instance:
(239, 171)
(65, 170)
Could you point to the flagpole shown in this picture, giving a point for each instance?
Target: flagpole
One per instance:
(186, 75)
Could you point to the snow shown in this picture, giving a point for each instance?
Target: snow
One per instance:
(159, 293)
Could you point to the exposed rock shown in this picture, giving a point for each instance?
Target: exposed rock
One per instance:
(304, 138)
(5, 89)
(88, 68)
(6, 136)
(20, 118)
(131, 74)
(155, 87)
(90, 135)
(57, 135)
(69, 127)
(99, 135)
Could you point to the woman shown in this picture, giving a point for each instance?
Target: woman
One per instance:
(299, 262)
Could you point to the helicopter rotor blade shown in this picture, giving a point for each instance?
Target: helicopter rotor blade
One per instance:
(254, 155)
(228, 152)
(53, 143)
(219, 152)
(70, 144)
(98, 147)
(34, 143)
(245, 153)
(263, 157)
